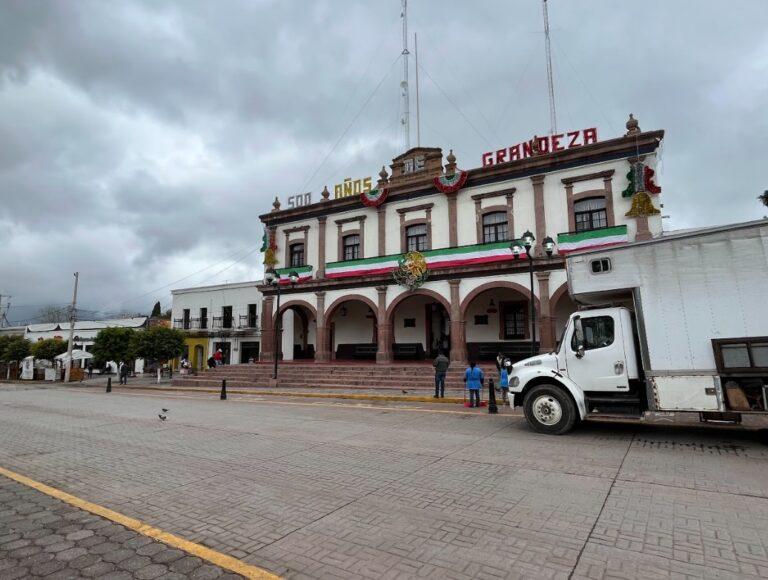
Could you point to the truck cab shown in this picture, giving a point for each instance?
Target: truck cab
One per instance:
(594, 369)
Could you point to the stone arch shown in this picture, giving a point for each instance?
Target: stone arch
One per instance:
(298, 304)
(419, 292)
(307, 315)
(427, 330)
(330, 312)
(561, 306)
(493, 285)
(557, 295)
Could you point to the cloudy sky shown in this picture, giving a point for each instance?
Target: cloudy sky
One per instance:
(139, 141)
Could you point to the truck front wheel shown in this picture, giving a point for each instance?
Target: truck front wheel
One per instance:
(549, 409)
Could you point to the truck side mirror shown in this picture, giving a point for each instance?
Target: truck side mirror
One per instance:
(579, 335)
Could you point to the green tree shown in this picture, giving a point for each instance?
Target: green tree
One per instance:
(16, 349)
(157, 311)
(158, 344)
(49, 349)
(4, 340)
(112, 344)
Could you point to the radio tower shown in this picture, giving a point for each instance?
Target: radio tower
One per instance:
(550, 81)
(405, 121)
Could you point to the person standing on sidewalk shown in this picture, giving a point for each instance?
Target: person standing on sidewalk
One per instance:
(441, 365)
(123, 373)
(473, 377)
(504, 382)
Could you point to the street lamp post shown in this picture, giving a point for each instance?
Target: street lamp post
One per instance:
(272, 278)
(527, 242)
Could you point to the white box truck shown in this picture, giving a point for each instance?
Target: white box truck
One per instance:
(678, 323)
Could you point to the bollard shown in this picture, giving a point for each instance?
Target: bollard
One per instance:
(492, 408)
(109, 384)
(223, 396)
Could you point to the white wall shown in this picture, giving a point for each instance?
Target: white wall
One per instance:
(239, 296)
(414, 307)
(354, 328)
(480, 305)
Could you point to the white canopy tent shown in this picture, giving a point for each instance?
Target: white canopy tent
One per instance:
(77, 354)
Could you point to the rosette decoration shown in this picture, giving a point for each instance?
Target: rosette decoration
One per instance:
(374, 197)
(451, 183)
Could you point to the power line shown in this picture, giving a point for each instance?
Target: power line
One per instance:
(349, 126)
(455, 106)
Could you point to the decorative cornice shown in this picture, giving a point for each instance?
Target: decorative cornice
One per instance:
(490, 194)
(360, 218)
(423, 206)
(618, 148)
(589, 176)
(290, 231)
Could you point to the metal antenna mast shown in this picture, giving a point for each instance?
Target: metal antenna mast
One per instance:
(418, 117)
(4, 311)
(406, 119)
(550, 81)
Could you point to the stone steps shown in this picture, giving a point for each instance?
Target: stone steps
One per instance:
(325, 376)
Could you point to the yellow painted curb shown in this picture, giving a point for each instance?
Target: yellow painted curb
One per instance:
(354, 396)
(212, 556)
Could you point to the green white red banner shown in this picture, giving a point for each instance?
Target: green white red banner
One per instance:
(591, 240)
(304, 272)
(444, 258)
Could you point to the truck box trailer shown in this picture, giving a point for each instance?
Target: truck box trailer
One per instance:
(678, 323)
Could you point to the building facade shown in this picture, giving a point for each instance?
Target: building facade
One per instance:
(422, 262)
(224, 316)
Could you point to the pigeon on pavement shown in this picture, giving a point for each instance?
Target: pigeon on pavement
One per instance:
(162, 417)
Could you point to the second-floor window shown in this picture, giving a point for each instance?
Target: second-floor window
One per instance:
(251, 316)
(185, 319)
(226, 315)
(590, 214)
(416, 238)
(495, 227)
(351, 245)
(296, 255)
(203, 318)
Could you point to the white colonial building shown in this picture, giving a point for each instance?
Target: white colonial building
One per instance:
(224, 316)
(85, 330)
(362, 295)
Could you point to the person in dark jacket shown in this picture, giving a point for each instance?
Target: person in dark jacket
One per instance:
(473, 377)
(441, 365)
(211, 362)
(123, 373)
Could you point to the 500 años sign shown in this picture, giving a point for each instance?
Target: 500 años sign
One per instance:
(548, 144)
(350, 188)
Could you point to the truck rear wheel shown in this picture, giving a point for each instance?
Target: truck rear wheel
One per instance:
(549, 409)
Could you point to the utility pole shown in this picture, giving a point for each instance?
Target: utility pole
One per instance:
(406, 119)
(550, 79)
(72, 317)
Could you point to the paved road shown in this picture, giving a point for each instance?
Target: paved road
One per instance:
(343, 491)
(42, 537)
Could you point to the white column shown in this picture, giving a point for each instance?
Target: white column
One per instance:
(287, 327)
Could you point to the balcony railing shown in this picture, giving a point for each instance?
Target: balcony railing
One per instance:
(247, 321)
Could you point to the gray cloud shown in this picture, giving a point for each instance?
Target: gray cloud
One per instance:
(139, 141)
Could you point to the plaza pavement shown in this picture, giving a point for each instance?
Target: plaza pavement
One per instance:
(320, 489)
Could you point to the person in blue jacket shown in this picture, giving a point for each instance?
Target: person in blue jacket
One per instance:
(473, 377)
(504, 382)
